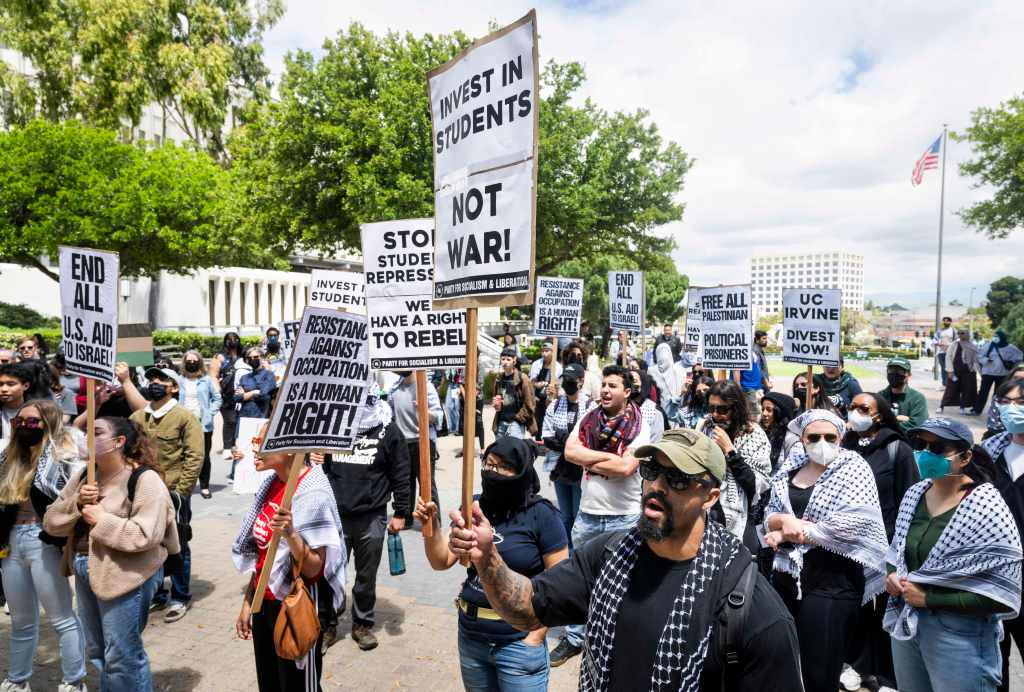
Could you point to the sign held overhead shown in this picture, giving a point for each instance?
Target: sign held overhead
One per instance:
(340, 290)
(558, 307)
(726, 327)
(626, 301)
(692, 339)
(812, 326)
(88, 298)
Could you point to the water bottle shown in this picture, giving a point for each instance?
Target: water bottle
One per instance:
(396, 556)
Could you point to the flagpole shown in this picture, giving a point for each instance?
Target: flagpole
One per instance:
(942, 204)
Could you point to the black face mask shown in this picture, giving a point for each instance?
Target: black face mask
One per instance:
(156, 391)
(896, 379)
(232, 345)
(571, 386)
(573, 358)
(502, 495)
(192, 365)
(29, 437)
(800, 393)
(403, 373)
(273, 346)
(254, 363)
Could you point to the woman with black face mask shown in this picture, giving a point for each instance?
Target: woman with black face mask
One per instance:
(695, 401)
(530, 538)
(39, 458)
(222, 370)
(201, 397)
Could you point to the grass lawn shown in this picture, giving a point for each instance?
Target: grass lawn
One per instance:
(779, 369)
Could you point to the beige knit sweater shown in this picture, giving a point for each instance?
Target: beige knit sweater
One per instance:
(129, 543)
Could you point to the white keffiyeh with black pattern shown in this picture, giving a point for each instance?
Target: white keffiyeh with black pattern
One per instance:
(979, 551)
(756, 451)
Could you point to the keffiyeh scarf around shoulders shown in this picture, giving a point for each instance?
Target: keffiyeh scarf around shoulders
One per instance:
(683, 645)
(315, 518)
(845, 513)
(979, 551)
(603, 434)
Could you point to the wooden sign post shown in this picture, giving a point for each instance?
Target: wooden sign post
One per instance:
(90, 428)
(423, 421)
(275, 539)
(810, 384)
(469, 418)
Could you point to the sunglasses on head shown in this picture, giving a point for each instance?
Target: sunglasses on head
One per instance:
(814, 438)
(651, 470)
(940, 447)
(26, 422)
(721, 409)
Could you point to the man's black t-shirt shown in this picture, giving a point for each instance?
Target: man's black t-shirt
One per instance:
(511, 400)
(769, 658)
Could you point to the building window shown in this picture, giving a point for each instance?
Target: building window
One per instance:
(213, 301)
(227, 300)
(282, 301)
(270, 303)
(257, 290)
(295, 301)
(243, 289)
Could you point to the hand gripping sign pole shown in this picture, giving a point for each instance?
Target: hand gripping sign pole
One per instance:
(423, 421)
(469, 419)
(286, 504)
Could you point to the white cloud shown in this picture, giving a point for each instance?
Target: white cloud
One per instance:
(805, 117)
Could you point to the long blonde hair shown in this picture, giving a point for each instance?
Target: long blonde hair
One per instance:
(18, 466)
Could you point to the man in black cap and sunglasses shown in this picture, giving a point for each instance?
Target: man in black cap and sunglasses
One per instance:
(672, 601)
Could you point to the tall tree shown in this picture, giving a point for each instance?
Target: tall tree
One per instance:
(103, 61)
(1003, 295)
(997, 137)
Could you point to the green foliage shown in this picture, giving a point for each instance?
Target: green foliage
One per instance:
(997, 138)
(1013, 324)
(10, 337)
(767, 321)
(206, 344)
(103, 61)
(1003, 295)
(72, 184)
(24, 317)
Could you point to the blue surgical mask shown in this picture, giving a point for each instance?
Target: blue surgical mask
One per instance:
(1012, 416)
(930, 464)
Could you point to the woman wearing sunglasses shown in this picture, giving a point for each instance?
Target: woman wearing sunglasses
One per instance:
(34, 466)
(954, 568)
(825, 524)
(695, 401)
(873, 432)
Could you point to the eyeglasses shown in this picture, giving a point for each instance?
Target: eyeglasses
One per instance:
(863, 408)
(496, 466)
(26, 422)
(651, 470)
(27, 348)
(940, 447)
(721, 409)
(814, 438)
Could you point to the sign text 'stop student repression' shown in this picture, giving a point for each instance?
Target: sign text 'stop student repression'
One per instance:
(88, 297)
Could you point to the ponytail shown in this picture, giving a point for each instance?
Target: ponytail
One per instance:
(138, 448)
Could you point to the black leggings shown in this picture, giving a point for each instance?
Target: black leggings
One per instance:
(1012, 630)
(204, 473)
(823, 625)
(275, 674)
(230, 418)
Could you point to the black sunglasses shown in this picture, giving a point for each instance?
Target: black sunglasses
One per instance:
(940, 447)
(813, 438)
(721, 410)
(651, 470)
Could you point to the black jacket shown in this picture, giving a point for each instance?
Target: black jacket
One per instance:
(9, 513)
(377, 468)
(894, 473)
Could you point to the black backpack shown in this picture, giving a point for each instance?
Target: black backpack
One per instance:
(226, 380)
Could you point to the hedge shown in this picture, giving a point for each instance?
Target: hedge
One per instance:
(181, 341)
(10, 336)
(870, 351)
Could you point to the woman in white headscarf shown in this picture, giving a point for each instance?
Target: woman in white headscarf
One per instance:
(670, 379)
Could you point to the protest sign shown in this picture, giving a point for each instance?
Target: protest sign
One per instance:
(626, 301)
(484, 120)
(691, 340)
(247, 478)
(88, 298)
(558, 307)
(405, 334)
(340, 290)
(289, 333)
(811, 319)
(726, 327)
(318, 405)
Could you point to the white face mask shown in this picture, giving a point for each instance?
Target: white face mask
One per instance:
(859, 422)
(822, 452)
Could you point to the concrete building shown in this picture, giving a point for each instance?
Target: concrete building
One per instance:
(769, 275)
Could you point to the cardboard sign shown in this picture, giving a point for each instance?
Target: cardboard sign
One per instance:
(405, 333)
(88, 300)
(484, 110)
(691, 338)
(319, 403)
(811, 321)
(626, 301)
(726, 327)
(289, 334)
(340, 290)
(558, 307)
(247, 478)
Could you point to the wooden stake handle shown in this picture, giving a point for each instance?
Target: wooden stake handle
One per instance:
(286, 504)
(469, 422)
(90, 428)
(810, 383)
(423, 420)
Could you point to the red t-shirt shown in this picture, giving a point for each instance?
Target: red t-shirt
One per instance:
(261, 529)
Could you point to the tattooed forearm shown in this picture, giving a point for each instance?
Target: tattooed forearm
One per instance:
(509, 593)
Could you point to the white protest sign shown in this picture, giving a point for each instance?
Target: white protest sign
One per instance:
(247, 478)
(691, 340)
(626, 301)
(88, 301)
(405, 334)
(558, 307)
(318, 405)
(726, 327)
(484, 109)
(811, 321)
(289, 333)
(337, 289)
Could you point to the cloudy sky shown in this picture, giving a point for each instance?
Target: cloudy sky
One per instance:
(805, 118)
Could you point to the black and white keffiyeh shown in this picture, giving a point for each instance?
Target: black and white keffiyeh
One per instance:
(997, 444)
(979, 551)
(315, 517)
(684, 641)
(844, 511)
(756, 450)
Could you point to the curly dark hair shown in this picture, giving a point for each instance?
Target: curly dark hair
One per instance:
(886, 417)
(623, 373)
(739, 417)
(138, 448)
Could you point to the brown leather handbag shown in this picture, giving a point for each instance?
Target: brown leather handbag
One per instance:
(298, 626)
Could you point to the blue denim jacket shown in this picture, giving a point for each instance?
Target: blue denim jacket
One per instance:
(208, 392)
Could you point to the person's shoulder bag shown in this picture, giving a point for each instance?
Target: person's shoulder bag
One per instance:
(298, 626)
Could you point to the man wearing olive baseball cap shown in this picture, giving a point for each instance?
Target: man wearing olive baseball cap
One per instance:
(909, 405)
(650, 595)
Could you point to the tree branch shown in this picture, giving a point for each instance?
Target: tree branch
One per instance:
(32, 262)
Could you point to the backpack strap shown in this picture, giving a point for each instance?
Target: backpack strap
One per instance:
(892, 448)
(133, 480)
(733, 621)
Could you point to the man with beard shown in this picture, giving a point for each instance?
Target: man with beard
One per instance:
(654, 598)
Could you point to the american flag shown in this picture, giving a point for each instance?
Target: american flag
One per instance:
(928, 161)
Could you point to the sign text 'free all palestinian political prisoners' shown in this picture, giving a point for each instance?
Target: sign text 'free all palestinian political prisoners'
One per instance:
(558, 307)
(405, 333)
(484, 106)
(626, 301)
(812, 323)
(319, 403)
(88, 299)
(726, 327)
(692, 340)
(337, 289)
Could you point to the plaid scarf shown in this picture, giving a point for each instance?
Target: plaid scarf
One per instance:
(603, 434)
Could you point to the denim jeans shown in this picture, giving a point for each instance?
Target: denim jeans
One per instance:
(113, 631)
(950, 653)
(453, 409)
(568, 496)
(512, 429)
(179, 569)
(513, 667)
(32, 577)
(588, 526)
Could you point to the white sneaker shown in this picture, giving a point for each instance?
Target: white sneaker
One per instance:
(8, 686)
(68, 687)
(850, 679)
(883, 688)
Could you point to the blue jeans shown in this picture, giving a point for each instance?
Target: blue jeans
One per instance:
(32, 576)
(113, 631)
(588, 526)
(950, 653)
(568, 496)
(513, 667)
(941, 357)
(512, 429)
(453, 409)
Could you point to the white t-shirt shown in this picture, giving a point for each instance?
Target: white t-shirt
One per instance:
(613, 496)
(191, 402)
(1015, 460)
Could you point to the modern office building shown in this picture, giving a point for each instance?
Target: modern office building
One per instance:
(769, 275)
